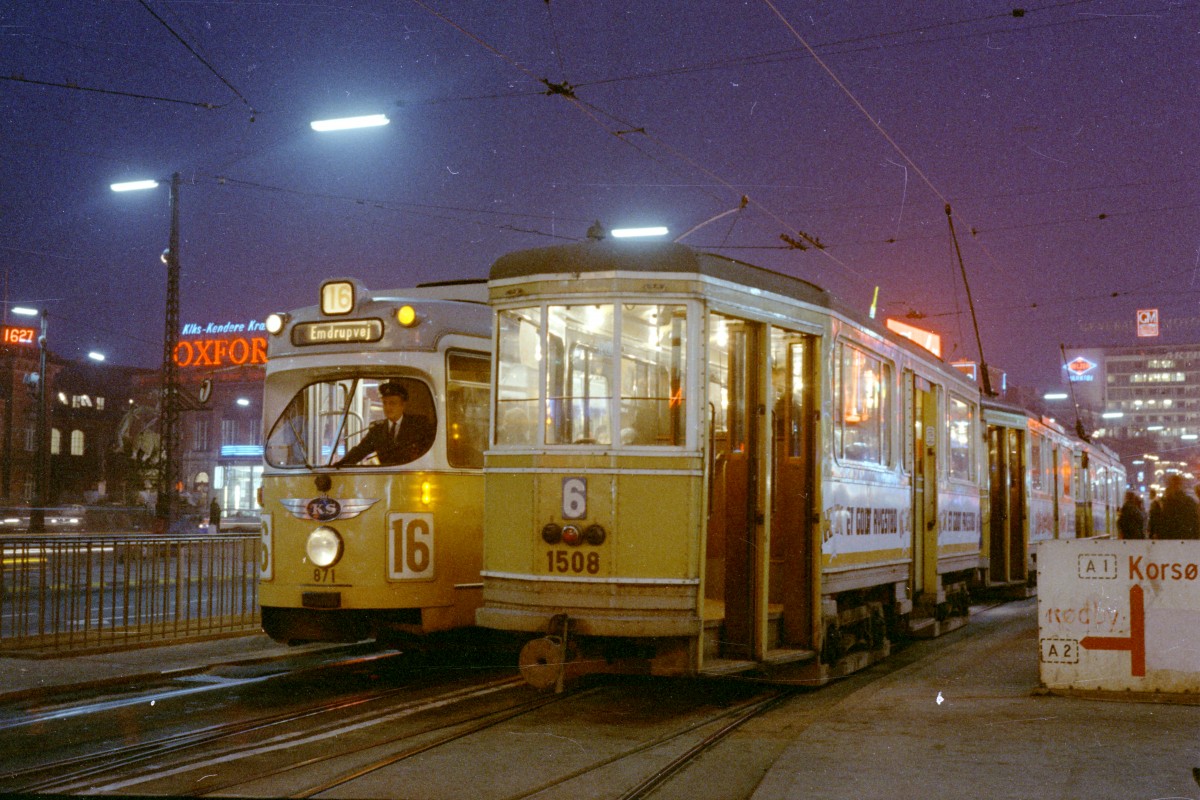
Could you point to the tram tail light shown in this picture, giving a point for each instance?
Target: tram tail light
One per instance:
(426, 492)
(572, 535)
(552, 533)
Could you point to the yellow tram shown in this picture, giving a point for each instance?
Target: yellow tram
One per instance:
(702, 467)
(372, 529)
(1043, 484)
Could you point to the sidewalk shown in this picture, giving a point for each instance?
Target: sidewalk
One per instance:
(971, 721)
(23, 677)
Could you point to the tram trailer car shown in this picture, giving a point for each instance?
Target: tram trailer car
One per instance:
(1043, 484)
(703, 467)
(362, 550)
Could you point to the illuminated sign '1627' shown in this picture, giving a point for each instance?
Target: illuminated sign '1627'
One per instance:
(16, 335)
(237, 352)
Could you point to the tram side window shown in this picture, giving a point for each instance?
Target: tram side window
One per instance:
(468, 380)
(517, 370)
(580, 374)
(326, 419)
(862, 418)
(1037, 467)
(960, 418)
(653, 352)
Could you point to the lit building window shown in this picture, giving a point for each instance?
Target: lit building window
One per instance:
(76, 442)
(200, 435)
(55, 441)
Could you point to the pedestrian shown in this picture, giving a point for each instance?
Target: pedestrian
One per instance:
(1154, 515)
(214, 516)
(1131, 521)
(1179, 518)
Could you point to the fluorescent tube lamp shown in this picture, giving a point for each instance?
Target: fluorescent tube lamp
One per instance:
(347, 123)
(24, 311)
(94, 356)
(634, 233)
(133, 186)
(1054, 396)
(1112, 414)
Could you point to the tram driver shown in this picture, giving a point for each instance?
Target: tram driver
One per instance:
(397, 438)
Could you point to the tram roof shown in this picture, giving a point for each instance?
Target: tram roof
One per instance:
(608, 255)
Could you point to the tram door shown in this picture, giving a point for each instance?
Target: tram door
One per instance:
(792, 447)
(1006, 529)
(924, 435)
(731, 572)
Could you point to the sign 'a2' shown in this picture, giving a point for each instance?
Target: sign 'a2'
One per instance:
(410, 547)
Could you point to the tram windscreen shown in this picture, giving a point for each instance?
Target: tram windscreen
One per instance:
(330, 423)
(612, 375)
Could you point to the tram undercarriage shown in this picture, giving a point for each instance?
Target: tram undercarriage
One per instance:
(858, 628)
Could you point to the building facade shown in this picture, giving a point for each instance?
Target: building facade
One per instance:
(1142, 401)
(102, 430)
(221, 369)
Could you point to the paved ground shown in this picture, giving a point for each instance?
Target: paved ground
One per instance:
(968, 721)
(22, 676)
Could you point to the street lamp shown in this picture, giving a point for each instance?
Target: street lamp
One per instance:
(168, 471)
(349, 123)
(37, 510)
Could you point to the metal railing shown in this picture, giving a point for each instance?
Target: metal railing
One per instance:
(76, 592)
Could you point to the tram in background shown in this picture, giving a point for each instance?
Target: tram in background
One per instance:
(386, 546)
(1043, 483)
(703, 467)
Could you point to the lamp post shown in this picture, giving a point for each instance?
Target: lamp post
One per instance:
(37, 510)
(168, 470)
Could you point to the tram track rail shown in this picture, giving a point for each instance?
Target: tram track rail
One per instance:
(329, 750)
(78, 773)
(727, 722)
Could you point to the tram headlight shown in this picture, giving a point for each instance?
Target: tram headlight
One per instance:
(324, 546)
(276, 322)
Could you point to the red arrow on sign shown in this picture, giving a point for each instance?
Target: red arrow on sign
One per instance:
(1135, 642)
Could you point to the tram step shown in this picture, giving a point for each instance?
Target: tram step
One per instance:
(789, 655)
(726, 666)
(930, 628)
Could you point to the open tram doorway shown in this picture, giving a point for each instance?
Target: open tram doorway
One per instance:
(758, 584)
(1006, 511)
(790, 581)
(733, 529)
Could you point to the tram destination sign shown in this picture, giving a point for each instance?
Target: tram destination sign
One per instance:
(337, 332)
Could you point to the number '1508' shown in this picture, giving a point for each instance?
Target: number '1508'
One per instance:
(575, 561)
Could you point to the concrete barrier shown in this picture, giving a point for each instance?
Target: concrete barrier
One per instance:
(1119, 616)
